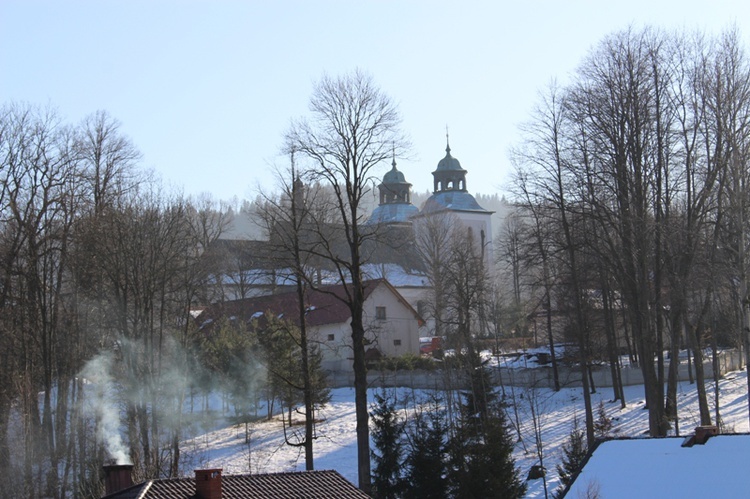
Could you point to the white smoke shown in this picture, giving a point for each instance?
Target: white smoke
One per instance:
(98, 372)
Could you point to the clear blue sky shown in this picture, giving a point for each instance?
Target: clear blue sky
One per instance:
(206, 89)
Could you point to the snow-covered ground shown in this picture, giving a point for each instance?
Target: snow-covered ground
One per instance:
(223, 446)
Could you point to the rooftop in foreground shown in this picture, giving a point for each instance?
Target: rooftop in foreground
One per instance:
(662, 467)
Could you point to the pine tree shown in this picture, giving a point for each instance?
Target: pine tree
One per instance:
(425, 470)
(387, 436)
(481, 460)
(574, 452)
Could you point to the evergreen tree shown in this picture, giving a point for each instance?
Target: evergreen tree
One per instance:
(481, 460)
(426, 469)
(603, 423)
(574, 452)
(387, 436)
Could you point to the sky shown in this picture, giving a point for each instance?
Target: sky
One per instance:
(206, 89)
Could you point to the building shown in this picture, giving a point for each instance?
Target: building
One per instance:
(701, 465)
(392, 324)
(392, 255)
(395, 200)
(210, 484)
(450, 198)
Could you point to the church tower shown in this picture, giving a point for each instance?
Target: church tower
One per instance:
(395, 199)
(450, 196)
(449, 176)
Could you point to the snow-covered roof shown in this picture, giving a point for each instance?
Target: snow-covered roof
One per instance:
(661, 467)
(393, 213)
(395, 274)
(452, 200)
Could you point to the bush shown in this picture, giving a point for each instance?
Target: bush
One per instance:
(406, 362)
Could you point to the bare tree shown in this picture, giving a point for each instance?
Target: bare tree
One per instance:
(353, 128)
(546, 183)
(109, 158)
(292, 231)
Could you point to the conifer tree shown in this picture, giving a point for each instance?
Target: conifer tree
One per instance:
(481, 460)
(387, 436)
(425, 464)
(603, 423)
(574, 452)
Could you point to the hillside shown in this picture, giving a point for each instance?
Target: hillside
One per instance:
(223, 445)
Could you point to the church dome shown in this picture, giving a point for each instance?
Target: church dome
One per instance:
(449, 163)
(394, 176)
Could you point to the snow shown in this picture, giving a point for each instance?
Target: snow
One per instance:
(223, 445)
(663, 468)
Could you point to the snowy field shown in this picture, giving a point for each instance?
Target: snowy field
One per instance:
(223, 446)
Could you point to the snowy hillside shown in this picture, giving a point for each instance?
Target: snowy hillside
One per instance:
(223, 446)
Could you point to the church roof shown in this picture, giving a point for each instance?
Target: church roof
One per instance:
(392, 213)
(448, 163)
(394, 176)
(452, 200)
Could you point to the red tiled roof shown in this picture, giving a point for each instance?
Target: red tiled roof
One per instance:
(324, 306)
(327, 484)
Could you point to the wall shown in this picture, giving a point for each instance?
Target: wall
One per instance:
(537, 377)
(400, 324)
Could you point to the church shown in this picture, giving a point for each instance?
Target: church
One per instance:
(252, 266)
(255, 282)
(450, 198)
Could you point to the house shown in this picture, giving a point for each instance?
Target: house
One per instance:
(392, 325)
(210, 484)
(702, 465)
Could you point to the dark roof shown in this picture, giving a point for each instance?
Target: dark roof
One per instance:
(394, 176)
(449, 163)
(327, 484)
(452, 200)
(324, 306)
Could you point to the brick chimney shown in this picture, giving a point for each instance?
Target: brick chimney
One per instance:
(208, 484)
(117, 477)
(703, 433)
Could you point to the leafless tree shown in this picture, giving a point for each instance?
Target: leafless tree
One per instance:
(546, 183)
(353, 128)
(293, 243)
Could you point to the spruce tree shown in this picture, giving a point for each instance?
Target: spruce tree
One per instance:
(574, 452)
(425, 464)
(481, 460)
(387, 436)
(603, 423)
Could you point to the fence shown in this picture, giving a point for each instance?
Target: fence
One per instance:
(540, 377)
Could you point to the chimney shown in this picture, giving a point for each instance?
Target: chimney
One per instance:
(117, 477)
(208, 484)
(703, 433)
